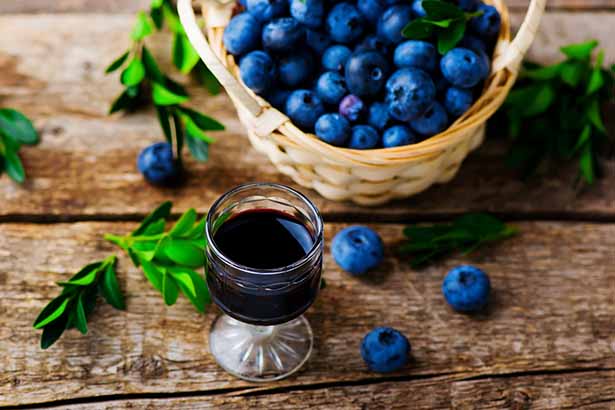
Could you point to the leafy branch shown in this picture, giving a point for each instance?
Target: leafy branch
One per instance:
(446, 21)
(427, 243)
(15, 130)
(554, 112)
(145, 83)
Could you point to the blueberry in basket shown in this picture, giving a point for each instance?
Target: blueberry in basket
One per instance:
(344, 70)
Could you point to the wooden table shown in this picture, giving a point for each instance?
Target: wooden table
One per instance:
(546, 342)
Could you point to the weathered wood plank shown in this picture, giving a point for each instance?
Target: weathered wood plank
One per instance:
(553, 310)
(583, 390)
(86, 162)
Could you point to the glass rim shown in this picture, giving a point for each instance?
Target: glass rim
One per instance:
(318, 238)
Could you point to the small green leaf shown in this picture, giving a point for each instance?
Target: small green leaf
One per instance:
(572, 73)
(586, 164)
(197, 292)
(163, 119)
(185, 281)
(17, 126)
(151, 67)
(81, 321)
(111, 288)
(52, 311)
(134, 73)
(594, 115)
(155, 228)
(441, 23)
(14, 168)
(162, 212)
(169, 289)
(596, 78)
(583, 138)
(580, 51)
(157, 17)
(143, 27)
(195, 131)
(198, 148)
(156, 4)
(152, 274)
(183, 252)
(185, 56)
(203, 121)
(542, 99)
(198, 230)
(206, 78)
(448, 39)
(440, 10)
(172, 19)
(184, 224)
(117, 63)
(543, 73)
(85, 276)
(417, 30)
(122, 102)
(53, 331)
(164, 96)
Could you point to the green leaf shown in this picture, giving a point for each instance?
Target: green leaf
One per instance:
(171, 18)
(203, 121)
(13, 166)
(417, 30)
(156, 4)
(151, 67)
(206, 78)
(184, 224)
(596, 78)
(448, 39)
(164, 96)
(183, 252)
(179, 137)
(53, 331)
(195, 131)
(572, 73)
(169, 289)
(198, 148)
(192, 286)
(198, 230)
(81, 321)
(580, 51)
(157, 17)
(152, 274)
(52, 311)
(441, 23)
(162, 212)
(143, 27)
(185, 56)
(124, 101)
(155, 228)
(594, 115)
(543, 73)
(18, 127)
(134, 73)
(543, 97)
(441, 10)
(163, 119)
(117, 63)
(586, 164)
(111, 288)
(583, 138)
(85, 276)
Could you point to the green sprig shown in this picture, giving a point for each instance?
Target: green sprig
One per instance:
(169, 260)
(427, 243)
(554, 112)
(78, 299)
(15, 130)
(444, 20)
(145, 83)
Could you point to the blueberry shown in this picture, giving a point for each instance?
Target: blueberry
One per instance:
(372, 42)
(371, 9)
(331, 87)
(484, 63)
(157, 164)
(473, 43)
(398, 135)
(295, 69)
(378, 115)
(432, 122)
(416, 53)
(457, 101)
(310, 13)
(333, 129)
(277, 98)
(385, 349)
(351, 107)
(441, 84)
(344, 23)
(317, 41)
(257, 71)
(468, 5)
(363, 137)
(265, 10)
(487, 24)
(242, 34)
(392, 22)
(461, 67)
(366, 73)
(409, 93)
(466, 288)
(357, 249)
(304, 107)
(282, 34)
(334, 58)
(418, 9)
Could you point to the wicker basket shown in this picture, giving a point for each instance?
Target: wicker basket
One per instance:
(367, 177)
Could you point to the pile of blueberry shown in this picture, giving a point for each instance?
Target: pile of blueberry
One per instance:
(344, 71)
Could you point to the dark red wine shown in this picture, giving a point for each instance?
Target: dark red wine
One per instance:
(264, 239)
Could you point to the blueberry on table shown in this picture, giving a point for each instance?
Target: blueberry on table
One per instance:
(304, 108)
(344, 23)
(282, 34)
(378, 115)
(462, 67)
(331, 87)
(417, 8)
(385, 349)
(409, 93)
(265, 10)
(258, 71)
(242, 34)
(466, 288)
(397, 136)
(157, 164)
(432, 122)
(487, 24)
(334, 58)
(351, 107)
(371, 9)
(295, 69)
(393, 21)
(317, 41)
(363, 137)
(372, 42)
(457, 101)
(357, 249)
(416, 53)
(333, 129)
(310, 13)
(366, 73)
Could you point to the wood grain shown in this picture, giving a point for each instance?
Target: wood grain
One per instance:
(85, 165)
(553, 310)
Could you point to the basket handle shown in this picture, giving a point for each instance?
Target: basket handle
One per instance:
(200, 44)
(513, 52)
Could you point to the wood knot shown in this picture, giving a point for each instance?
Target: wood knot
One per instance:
(147, 367)
(520, 400)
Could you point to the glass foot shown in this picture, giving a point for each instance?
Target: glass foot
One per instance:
(260, 353)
